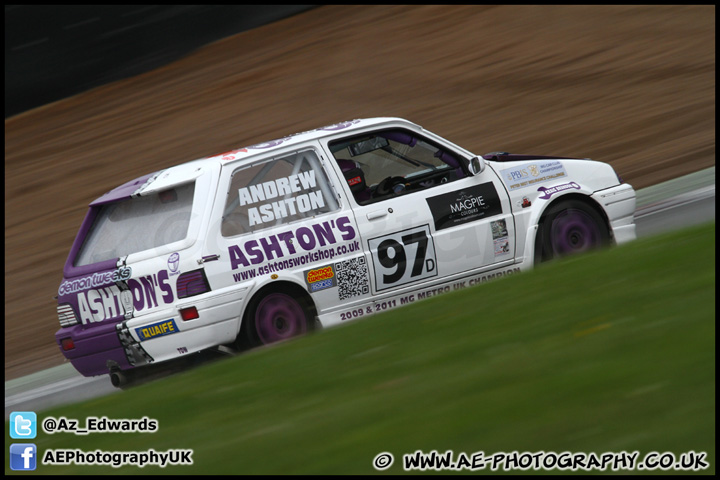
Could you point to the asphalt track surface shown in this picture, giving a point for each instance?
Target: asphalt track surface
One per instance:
(672, 205)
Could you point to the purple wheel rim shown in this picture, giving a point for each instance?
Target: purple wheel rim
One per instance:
(574, 231)
(279, 317)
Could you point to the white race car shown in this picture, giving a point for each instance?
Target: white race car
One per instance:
(266, 242)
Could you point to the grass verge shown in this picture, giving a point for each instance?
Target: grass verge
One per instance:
(607, 352)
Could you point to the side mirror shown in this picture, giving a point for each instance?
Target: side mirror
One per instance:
(477, 165)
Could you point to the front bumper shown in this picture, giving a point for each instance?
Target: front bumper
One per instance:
(619, 205)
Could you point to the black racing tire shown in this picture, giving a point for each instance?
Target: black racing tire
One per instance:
(570, 227)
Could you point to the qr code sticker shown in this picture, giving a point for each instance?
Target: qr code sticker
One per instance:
(352, 278)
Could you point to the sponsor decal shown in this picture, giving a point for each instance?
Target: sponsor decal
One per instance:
(126, 300)
(531, 174)
(352, 278)
(320, 278)
(319, 274)
(322, 285)
(463, 206)
(270, 144)
(492, 276)
(476, 280)
(94, 280)
(305, 238)
(500, 237)
(231, 155)
(159, 329)
(338, 126)
(145, 290)
(280, 189)
(174, 263)
(406, 299)
(297, 261)
(548, 192)
(149, 291)
(96, 305)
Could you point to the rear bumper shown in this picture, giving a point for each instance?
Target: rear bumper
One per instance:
(218, 323)
(125, 344)
(96, 350)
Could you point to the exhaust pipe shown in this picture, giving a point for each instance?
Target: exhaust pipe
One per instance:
(118, 378)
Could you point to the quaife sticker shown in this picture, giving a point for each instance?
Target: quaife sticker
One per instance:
(320, 278)
(463, 206)
(159, 329)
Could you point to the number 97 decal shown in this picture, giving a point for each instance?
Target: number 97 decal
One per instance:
(403, 257)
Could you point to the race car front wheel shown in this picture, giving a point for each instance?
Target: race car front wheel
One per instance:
(569, 228)
(274, 316)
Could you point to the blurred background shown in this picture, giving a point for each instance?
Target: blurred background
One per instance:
(55, 51)
(98, 95)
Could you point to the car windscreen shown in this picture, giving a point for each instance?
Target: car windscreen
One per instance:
(137, 224)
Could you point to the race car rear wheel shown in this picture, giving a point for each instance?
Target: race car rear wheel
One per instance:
(571, 227)
(274, 316)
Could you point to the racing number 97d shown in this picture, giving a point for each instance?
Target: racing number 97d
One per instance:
(391, 253)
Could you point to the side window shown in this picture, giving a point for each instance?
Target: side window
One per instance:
(276, 191)
(388, 163)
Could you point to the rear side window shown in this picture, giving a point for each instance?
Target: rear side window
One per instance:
(275, 192)
(137, 224)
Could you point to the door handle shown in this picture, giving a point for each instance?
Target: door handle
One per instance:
(376, 214)
(208, 258)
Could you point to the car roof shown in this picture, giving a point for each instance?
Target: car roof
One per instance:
(318, 133)
(185, 172)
